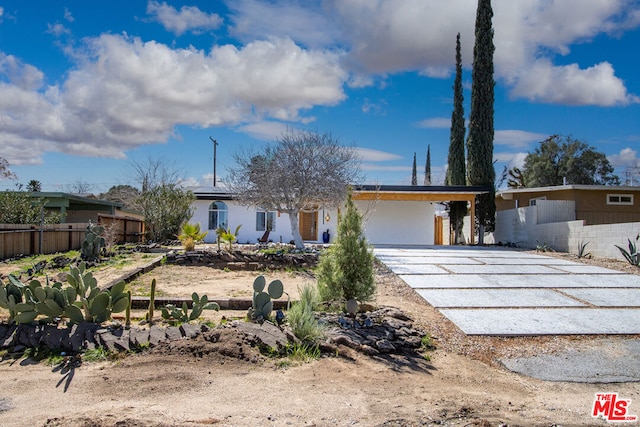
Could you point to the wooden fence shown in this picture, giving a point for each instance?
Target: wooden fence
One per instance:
(20, 239)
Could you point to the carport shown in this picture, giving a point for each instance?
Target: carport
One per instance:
(403, 200)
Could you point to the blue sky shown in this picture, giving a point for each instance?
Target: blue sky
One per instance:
(87, 87)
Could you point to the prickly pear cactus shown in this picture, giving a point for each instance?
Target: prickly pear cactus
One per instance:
(96, 304)
(10, 295)
(262, 303)
(50, 303)
(174, 314)
(93, 242)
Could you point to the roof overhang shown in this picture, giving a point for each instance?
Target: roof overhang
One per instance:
(425, 193)
(74, 201)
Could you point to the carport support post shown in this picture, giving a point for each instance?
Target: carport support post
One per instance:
(472, 225)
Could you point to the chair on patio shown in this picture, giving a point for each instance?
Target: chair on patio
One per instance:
(262, 241)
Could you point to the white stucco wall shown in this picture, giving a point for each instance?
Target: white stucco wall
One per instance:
(241, 215)
(386, 222)
(398, 222)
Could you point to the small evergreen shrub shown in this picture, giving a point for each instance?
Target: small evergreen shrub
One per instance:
(345, 270)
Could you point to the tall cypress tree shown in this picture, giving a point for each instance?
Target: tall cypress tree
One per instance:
(480, 138)
(427, 167)
(414, 174)
(456, 171)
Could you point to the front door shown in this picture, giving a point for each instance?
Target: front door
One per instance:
(438, 236)
(309, 225)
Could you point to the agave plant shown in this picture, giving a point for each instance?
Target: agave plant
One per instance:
(631, 254)
(582, 250)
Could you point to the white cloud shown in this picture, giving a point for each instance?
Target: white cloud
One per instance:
(387, 36)
(436, 72)
(191, 182)
(511, 159)
(357, 80)
(68, 16)
(369, 155)
(265, 130)
(570, 85)
(22, 75)
(377, 108)
(382, 168)
(517, 138)
(57, 29)
(305, 22)
(188, 18)
(627, 157)
(125, 93)
(435, 123)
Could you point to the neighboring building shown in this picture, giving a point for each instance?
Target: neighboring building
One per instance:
(594, 204)
(402, 214)
(569, 216)
(77, 209)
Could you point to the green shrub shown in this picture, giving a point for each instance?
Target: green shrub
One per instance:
(345, 270)
(301, 318)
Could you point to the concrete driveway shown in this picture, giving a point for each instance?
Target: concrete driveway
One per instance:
(504, 292)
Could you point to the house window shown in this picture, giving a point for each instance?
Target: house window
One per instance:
(532, 202)
(265, 221)
(620, 199)
(217, 215)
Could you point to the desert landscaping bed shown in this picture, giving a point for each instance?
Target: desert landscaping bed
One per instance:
(217, 381)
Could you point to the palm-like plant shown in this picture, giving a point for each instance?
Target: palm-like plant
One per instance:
(227, 236)
(191, 235)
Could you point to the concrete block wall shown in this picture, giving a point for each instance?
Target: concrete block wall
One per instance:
(603, 238)
(519, 226)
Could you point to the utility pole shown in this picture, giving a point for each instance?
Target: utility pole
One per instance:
(215, 145)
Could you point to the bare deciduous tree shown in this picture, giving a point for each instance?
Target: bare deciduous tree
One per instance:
(163, 201)
(79, 187)
(301, 171)
(155, 172)
(5, 172)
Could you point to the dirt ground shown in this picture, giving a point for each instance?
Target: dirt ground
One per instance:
(181, 281)
(196, 383)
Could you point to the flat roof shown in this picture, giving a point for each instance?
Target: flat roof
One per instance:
(617, 188)
(55, 199)
(381, 192)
